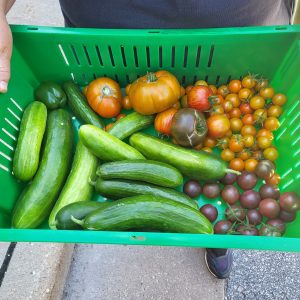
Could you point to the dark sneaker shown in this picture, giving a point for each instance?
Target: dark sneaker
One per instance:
(219, 264)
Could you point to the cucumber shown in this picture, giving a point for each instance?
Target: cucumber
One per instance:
(116, 189)
(79, 106)
(36, 201)
(77, 187)
(144, 170)
(130, 124)
(106, 146)
(78, 210)
(195, 164)
(148, 213)
(32, 129)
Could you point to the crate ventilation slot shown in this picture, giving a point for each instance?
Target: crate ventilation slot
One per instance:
(185, 59)
(217, 79)
(173, 57)
(136, 60)
(111, 56)
(123, 56)
(211, 54)
(198, 57)
(75, 55)
(160, 56)
(148, 56)
(87, 55)
(99, 56)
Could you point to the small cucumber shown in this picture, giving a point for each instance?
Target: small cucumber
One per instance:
(36, 201)
(130, 124)
(78, 210)
(32, 129)
(147, 213)
(144, 170)
(77, 187)
(195, 164)
(79, 106)
(116, 189)
(106, 146)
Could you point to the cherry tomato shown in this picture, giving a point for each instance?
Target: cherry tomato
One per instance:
(279, 99)
(245, 94)
(271, 153)
(217, 125)
(182, 91)
(248, 119)
(267, 92)
(120, 116)
(234, 86)
(201, 82)
(228, 106)
(234, 99)
(235, 113)
(228, 133)
(127, 89)
(84, 90)
(248, 140)
(217, 110)
(257, 102)
(274, 180)
(257, 155)
(271, 123)
(248, 130)
(126, 103)
(236, 143)
(209, 142)
(223, 90)
(266, 133)
(183, 101)
(261, 83)
(250, 164)
(188, 88)
(249, 81)
(244, 154)
(263, 142)
(213, 88)
(237, 164)
(108, 126)
(223, 143)
(200, 98)
(218, 99)
(227, 155)
(245, 108)
(235, 124)
(260, 116)
(207, 149)
(274, 111)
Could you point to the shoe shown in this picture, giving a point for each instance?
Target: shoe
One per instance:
(219, 265)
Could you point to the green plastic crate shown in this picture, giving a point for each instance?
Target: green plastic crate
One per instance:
(216, 55)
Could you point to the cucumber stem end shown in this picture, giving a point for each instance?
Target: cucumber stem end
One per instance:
(232, 171)
(77, 221)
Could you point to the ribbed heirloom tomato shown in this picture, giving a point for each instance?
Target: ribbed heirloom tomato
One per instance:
(163, 121)
(200, 97)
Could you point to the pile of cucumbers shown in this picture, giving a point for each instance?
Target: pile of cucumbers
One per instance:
(140, 178)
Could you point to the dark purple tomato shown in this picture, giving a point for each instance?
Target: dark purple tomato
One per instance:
(269, 191)
(268, 230)
(247, 180)
(278, 223)
(229, 178)
(247, 230)
(211, 190)
(210, 212)
(230, 194)
(289, 201)
(286, 216)
(250, 199)
(222, 227)
(269, 208)
(235, 213)
(254, 217)
(265, 169)
(192, 188)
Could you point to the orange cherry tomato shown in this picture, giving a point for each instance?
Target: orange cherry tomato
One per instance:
(248, 140)
(201, 82)
(250, 164)
(248, 119)
(120, 116)
(218, 99)
(108, 126)
(207, 149)
(217, 110)
(266, 133)
(237, 164)
(84, 90)
(274, 180)
(270, 153)
(234, 99)
(234, 86)
(126, 103)
(218, 126)
(213, 88)
(279, 99)
(235, 113)
(227, 155)
(223, 143)
(223, 90)
(163, 121)
(244, 154)
(228, 133)
(245, 94)
(261, 83)
(188, 88)
(263, 142)
(245, 108)
(249, 81)
(260, 116)
(209, 142)
(274, 111)
(127, 89)
(228, 106)
(248, 130)
(258, 155)
(257, 102)
(236, 143)
(235, 124)
(271, 123)
(267, 92)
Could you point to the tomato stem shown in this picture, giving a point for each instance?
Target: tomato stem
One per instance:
(106, 91)
(151, 77)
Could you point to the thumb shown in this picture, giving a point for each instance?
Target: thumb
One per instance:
(5, 54)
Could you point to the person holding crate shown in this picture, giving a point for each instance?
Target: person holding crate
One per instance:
(160, 14)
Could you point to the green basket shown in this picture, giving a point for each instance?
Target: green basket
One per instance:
(216, 55)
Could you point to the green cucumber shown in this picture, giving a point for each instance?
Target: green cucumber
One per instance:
(116, 189)
(147, 213)
(79, 106)
(195, 164)
(130, 124)
(36, 201)
(32, 129)
(78, 210)
(106, 146)
(77, 187)
(144, 170)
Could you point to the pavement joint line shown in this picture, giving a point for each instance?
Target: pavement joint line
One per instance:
(6, 261)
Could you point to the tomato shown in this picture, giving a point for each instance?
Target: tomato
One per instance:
(236, 143)
(163, 121)
(182, 91)
(201, 82)
(209, 142)
(249, 81)
(200, 97)
(108, 126)
(104, 96)
(234, 99)
(279, 99)
(198, 147)
(188, 88)
(250, 164)
(217, 110)
(237, 164)
(248, 119)
(263, 142)
(127, 89)
(235, 113)
(120, 116)
(154, 92)
(270, 153)
(245, 108)
(271, 123)
(126, 103)
(84, 90)
(217, 125)
(218, 99)
(228, 133)
(248, 140)
(245, 94)
(223, 143)
(228, 106)
(227, 155)
(213, 88)
(248, 130)
(207, 149)
(274, 180)
(177, 105)
(274, 111)
(266, 133)
(267, 92)
(183, 101)
(235, 124)
(260, 115)
(257, 102)
(234, 86)
(261, 83)
(244, 154)
(257, 155)
(223, 90)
